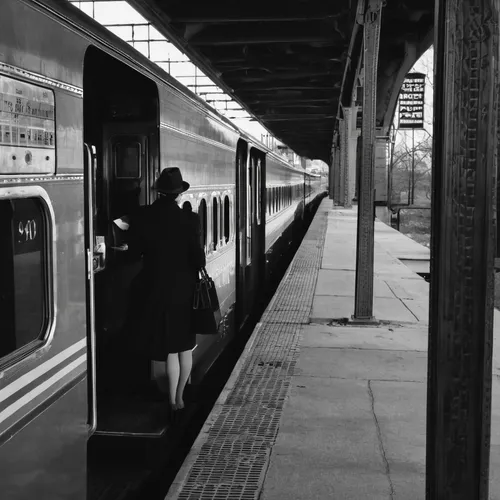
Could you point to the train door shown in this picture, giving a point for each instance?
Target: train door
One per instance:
(93, 258)
(251, 227)
(256, 223)
(124, 187)
(121, 118)
(242, 231)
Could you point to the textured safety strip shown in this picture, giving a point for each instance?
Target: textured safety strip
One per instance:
(233, 460)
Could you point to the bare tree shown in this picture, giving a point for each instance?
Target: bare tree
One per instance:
(412, 159)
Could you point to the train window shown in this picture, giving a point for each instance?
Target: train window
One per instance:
(215, 223)
(258, 192)
(24, 309)
(227, 215)
(202, 213)
(222, 241)
(127, 156)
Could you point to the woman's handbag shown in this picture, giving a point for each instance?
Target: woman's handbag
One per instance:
(206, 313)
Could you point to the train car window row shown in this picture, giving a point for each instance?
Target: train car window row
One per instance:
(278, 198)
(24, 284)
(220, 231)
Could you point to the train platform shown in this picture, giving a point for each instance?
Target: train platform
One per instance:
(320, 408)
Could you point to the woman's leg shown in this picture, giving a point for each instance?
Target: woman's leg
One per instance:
(186, 363)
(173, 371)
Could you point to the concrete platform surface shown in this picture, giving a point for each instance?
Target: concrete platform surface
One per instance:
(354, 424)
(328, 409)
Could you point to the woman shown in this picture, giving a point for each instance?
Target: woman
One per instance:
(170, 240)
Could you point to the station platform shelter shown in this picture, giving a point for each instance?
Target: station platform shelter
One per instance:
(319, 407)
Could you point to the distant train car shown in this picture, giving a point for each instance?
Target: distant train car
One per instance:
(86, 126)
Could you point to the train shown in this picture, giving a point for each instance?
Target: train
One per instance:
(86, 125)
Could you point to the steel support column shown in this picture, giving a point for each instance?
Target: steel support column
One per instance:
(331, 174)
(343, 160)
(336, 176)
(347, 156)
(353, 143)
(363, 299)
(462, 250)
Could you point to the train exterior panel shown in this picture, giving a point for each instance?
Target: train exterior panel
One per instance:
(87, 124)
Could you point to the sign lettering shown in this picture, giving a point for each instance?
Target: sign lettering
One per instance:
(411, 101)
(27, 128)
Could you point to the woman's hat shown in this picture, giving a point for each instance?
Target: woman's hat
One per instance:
(170, 181)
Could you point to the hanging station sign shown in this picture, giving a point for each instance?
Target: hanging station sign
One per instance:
(411, 101)
(27, 128)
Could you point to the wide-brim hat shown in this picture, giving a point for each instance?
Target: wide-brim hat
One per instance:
(170, 181)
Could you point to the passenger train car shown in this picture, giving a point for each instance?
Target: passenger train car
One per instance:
(86, 125)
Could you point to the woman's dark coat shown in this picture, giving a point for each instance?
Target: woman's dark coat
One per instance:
(169, 239)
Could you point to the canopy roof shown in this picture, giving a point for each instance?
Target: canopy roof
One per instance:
(290, 64)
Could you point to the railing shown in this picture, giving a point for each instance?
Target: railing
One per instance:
(396, 213)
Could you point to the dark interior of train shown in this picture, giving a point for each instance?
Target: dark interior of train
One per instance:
(121, 124)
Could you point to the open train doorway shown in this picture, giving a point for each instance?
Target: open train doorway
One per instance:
(250, 221)
(121, 124)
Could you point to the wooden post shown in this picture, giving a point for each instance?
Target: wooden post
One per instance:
(462, 250)
(363, 299)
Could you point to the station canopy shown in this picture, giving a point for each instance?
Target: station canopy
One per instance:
(290, 64)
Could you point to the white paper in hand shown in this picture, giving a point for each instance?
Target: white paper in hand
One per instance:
(122, 223)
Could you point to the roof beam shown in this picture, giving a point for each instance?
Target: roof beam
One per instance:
(223, 42)
(292, 75)
(251, 19)
(301, 116)
(291, 87)
(283, 102)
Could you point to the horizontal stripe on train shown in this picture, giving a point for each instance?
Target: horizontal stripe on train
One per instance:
(27, 378)
(31, 395)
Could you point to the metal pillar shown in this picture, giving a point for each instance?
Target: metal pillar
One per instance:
(330, 178)
(462, 250)
(363, 299)
(347, 156)
(343, 160)
(353, 143)
(336, 176)
(331, 174)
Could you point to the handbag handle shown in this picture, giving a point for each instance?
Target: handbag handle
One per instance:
(204, 273)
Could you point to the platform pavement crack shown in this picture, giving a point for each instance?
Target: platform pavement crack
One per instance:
(380, 441)
(402, 302)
